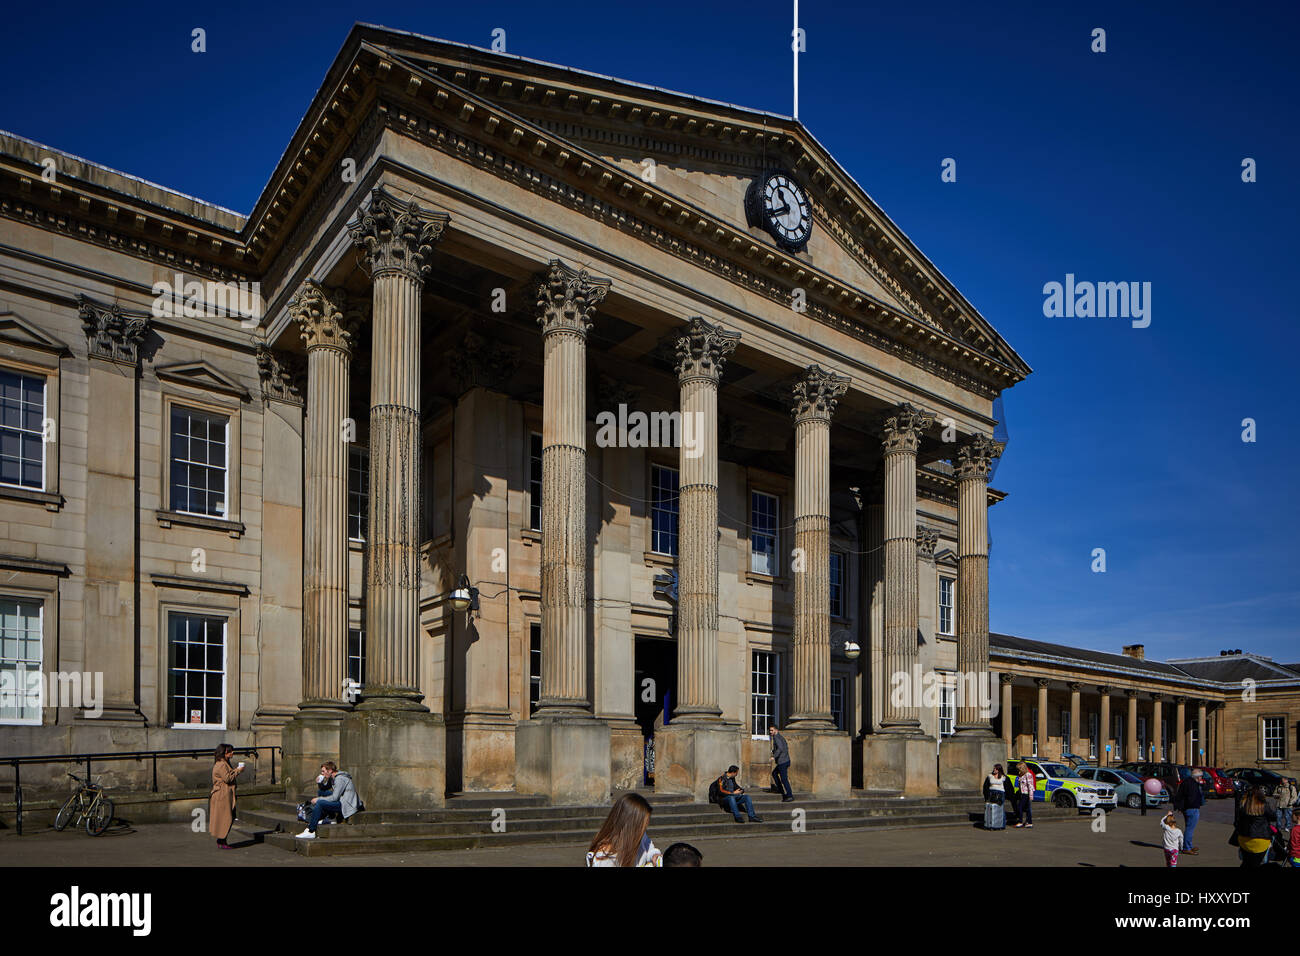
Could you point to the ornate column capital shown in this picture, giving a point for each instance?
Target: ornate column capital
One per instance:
(926, 541)
(111, 333)
(396, 235)
(1132, 692)
(702, 350)
(483, 363)
(325, 317)
(816, 394)
(902, 430)
(975, 458)
(1006, 678)
(1157, 698)
(1042, 681)
(1103, 689)
(566, 298)
(283, 375)
(1074, 686)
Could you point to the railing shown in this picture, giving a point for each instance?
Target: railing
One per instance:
(138, 755)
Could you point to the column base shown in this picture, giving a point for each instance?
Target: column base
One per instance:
(964, 762)
(480, 752)
(626, 754)
(306, 742)
(565, 759)
(820, 762)
(898, 763)
(689, 757)
(397, 758)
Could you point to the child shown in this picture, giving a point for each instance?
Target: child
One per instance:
(1173, 838)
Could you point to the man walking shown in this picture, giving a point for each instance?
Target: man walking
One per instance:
(1189, 799)
(734, 797)
(780, 773)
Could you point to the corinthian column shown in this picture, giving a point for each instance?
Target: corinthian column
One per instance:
(702, 350)
(815, 396)
(328, 328)
(902, 439)
(396, 238)
(565, 301)
(973, 464)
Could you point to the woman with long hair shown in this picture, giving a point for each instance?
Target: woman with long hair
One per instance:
(997, 787)
(221, 801)
(1253, 828)
(622, 840)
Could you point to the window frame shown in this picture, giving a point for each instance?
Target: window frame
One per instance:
(1264, 720)
(774, 534)
(20, 599)
(774, 676)
(655, 508)
(534, 658)
(947, 710)
(951, 607)
(44, 379)
(361, 452)
(839, 717)
(842, 612)
(534, 481)
(215, 614)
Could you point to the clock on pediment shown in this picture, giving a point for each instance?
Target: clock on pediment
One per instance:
(776, 202)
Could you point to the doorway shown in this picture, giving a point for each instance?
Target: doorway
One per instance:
(655, 692)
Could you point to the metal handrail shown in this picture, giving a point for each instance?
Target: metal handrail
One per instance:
(154, 755)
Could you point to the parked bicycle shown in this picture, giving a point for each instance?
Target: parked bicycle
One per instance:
(87, 804)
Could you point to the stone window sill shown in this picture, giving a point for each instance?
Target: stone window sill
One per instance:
(529, 536)
(168, 518)
(657, 560)
(756, 577)
(52, 501)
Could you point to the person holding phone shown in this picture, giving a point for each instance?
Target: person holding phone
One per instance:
(221, 799)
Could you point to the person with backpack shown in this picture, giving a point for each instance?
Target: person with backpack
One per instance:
(622, 838)
(729, 794)
(342, 799)
(781, 772)
(1189, 798)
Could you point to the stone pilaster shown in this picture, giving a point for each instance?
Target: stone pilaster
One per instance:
(563, 752)
(1131, 751)
(1008, 730)
(395, 747)
(1074, 734)
(1157, 725)
(702, 350)
(1199, 754)
(815, 396)
(902, 439)
(973, 464)
(1180, 731)
(1105, 755)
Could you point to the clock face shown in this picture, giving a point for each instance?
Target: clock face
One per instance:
(784, 210)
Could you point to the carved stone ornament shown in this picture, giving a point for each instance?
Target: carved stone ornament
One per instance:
(926, 541)
(396, 235)
(283, 375)
(566, 298)
(702, 350)
(483, 363)
(325, 317)
(903, 429)
(111, 333)
(975, 459)
(816, 393)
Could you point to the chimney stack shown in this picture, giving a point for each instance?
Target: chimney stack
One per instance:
(1135, 651)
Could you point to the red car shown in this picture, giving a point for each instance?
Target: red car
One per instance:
(1219, 784)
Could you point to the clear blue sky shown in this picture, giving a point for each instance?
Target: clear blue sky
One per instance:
(1122, 166)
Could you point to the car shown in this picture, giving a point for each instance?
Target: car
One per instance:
(1060, 784)
(1254, 777)
(1128, 785)
(1221, 784)
(1170, 775)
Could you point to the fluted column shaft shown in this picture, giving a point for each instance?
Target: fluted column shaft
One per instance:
(815, 398)
(328, 331)
(566, 300)
(972, 466)
(902, 440)
(1074, 718)
(1180, 737)
(1157, 720)
(1040, 731)
(1131, 731)
(1008, 732)
(1202, 738)
(1103, 755)
(396, 237)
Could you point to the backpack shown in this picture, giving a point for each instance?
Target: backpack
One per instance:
(715, 792)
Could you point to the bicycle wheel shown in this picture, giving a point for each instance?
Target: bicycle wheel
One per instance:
(99, 817)
(67, 811)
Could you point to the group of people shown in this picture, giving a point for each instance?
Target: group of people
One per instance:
(1262, 826)
(1001, 793)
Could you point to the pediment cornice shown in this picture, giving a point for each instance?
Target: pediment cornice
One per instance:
(201, 375)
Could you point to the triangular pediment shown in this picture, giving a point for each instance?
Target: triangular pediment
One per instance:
(14, 328)
(201, 375)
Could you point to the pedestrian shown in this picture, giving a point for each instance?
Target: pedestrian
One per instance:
(221, 799)
(622, 838)
(1173, 838)
(996, 786)
(342, 798)
(733, 797)
(1188, 799)
(1026, 785)
(781, 772)
(1252, 831)
(1286, 798)
(682, 854)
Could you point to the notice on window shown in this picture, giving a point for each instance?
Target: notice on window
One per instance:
(196, 716)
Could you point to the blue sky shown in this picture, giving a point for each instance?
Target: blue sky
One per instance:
(1119, 166)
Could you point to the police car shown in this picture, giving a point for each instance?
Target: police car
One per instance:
(1060, 785)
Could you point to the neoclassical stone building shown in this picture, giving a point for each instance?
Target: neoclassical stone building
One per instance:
(281, 442)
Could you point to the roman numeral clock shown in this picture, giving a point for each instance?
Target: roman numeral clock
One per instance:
(776, 202)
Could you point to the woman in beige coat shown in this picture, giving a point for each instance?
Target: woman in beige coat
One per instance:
(221, 801)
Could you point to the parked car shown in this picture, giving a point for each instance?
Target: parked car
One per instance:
(1221, 784)
(1170, 775)
(1060, 784)
(1254, 777)
(1128, 786)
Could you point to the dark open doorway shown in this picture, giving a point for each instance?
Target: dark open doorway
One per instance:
(656, 691)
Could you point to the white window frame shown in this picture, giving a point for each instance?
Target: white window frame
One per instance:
(45, 411)
(951, 607)
(1094, 734)
(676, 510)
(1067, 732)
(20, 600)
(774, 676)
(225, 666)
(842, 610)
(171, 409)
(534, 482)
(775, 533)
(947, 707)
(359, 657)
(837, 714)
(1265, 738)
(361, 453)
(534, 675)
